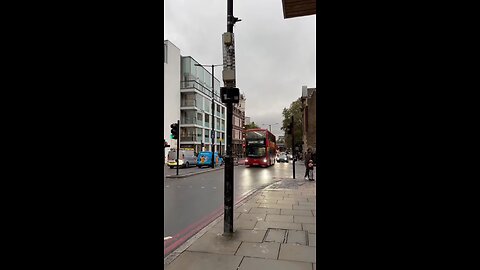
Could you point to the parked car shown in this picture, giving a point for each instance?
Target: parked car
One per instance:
(282, 158)
(186, 158)
(205, 159)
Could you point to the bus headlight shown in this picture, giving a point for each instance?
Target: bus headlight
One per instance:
(264, 160)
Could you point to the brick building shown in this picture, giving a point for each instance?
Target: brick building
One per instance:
(237, 124)
(309, 107)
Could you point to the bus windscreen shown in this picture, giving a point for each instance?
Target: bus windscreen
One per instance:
(253, 151)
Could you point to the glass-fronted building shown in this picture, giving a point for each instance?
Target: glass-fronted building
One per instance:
(196, 108)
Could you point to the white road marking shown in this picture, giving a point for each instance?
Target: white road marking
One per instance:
(214, 187)
(203, 187)
(167, 186)
(166, 238)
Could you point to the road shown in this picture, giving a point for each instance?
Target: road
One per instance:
(188, 200)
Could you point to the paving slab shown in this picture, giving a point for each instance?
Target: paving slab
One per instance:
(303, 219)
(304, 207)
(276, 235)
(292, 252)
(259, 250)
(244, 208)
(243, 223)
(254, 236)
(201, 261)
(311, 228)
(275, 206)
(296, 212)
(289, 201)
(264, 225)
(279, 218)
(215, 243)
(253, 216)
(267, 264)
(307, 204)
(257, 210)
(297, 237)
(312, 239)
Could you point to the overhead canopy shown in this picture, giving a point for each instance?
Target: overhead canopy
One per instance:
(298, 8)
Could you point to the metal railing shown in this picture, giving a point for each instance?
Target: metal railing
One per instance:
(199, 87)
(188, 120)
(188, 138)
(188, 103)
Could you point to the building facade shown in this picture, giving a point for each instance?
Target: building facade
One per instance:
(189, 99)
(238, 124)
(309, 106)
(171, 89)
(196, 114)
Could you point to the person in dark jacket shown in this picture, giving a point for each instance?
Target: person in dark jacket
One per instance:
(307, 158)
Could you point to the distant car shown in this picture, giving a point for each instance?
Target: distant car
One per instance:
(186, 158)
(205, 159)
(282, 158)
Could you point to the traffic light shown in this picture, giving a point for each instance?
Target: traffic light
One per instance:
(174, 131)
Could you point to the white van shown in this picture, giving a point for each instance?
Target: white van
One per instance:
(186, 158)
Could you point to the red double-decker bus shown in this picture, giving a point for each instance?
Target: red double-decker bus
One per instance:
(260, 147)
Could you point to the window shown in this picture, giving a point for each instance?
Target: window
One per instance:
(208, 105)
(207, 120)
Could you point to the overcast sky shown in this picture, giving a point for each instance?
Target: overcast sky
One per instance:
(274, 56)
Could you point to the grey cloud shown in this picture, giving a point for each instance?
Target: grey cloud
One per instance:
(274, 56)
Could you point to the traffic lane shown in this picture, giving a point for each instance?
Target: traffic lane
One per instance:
(181, 171)
(188, 200)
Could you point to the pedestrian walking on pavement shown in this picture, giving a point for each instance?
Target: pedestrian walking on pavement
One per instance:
(310, 170)
(307, 158)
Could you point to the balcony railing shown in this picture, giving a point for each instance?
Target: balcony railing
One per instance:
(188, 103)
(199, 87)
(188, 138)
(189, 121)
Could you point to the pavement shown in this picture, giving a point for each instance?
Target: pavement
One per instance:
(274, 228)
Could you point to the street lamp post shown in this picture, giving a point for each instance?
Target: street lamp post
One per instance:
(270, 126)
(212, 136)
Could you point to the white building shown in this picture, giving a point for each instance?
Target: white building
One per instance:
(190, 100)
(171, 89)
(196, 108)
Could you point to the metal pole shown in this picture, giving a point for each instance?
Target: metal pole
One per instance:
(178, 143)
(228, 188)
(293, 149)
(213, 117)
